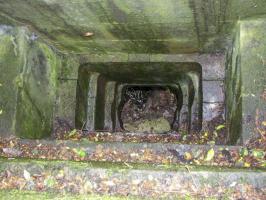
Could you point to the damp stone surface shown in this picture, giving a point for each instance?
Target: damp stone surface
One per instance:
(128, 99)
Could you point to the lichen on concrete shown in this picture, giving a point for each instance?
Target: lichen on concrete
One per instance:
(253, 64)
(29, 82)
(160, 125)
(11, 61)
(35, 101)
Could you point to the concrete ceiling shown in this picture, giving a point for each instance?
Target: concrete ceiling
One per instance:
(132, 26)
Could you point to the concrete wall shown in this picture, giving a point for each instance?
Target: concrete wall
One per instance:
(38, 84)
(246, 81)
(28, 83)
(212, 75)
(253, 73)
(233, 82)
(11, 60)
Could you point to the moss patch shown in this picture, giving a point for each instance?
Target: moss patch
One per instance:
(33, 195)
(160, 125)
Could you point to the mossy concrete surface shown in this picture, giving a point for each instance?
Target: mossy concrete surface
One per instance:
(253, 71)
(245, 80)
(160, 153)
(11, 58)
(142, 26)
(29, 77)
(33, 195)
(37, 94)
(123, 179)
(160, 125)
(43, 41)
(233, 85)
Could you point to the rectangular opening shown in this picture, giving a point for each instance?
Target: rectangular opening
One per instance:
(139, 99)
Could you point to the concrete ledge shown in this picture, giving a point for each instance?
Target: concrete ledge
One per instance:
(125, 179)
(157, 153)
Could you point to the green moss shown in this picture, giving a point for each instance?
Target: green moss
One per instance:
(120, 167)
(233, 90)
(29, 81)
(253, 53)
(164, 26)
(10, 64)
(160, 125)
(33, 195)
(36, 96)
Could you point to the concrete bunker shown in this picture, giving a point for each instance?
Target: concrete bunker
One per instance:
(132, 50)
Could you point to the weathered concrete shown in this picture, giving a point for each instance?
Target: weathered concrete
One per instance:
(28, 83)
(44, 59)
(138, 73)
(245, 80)
(253, 75)
(119, 150)
(11, 61)
(120, 179)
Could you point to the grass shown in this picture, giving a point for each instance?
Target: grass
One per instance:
(32, 195)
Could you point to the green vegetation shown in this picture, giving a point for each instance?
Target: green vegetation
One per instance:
(118, 166)
(33, 195)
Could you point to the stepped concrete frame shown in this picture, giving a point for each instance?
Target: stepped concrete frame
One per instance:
(101, 87)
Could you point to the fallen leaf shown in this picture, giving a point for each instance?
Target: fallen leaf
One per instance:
(109, 183)
(263, 164)
(246, 164)
(128, 165)
(136, 182)
(81, 153)
(197, 162)
(206, 134)
(73, 133)
(88, 34)
(210, 155)
(258, 153)
(220, 127)
(188, 156)
(211, 142)
(26, 175)
(12, 151)
(233, 184)
(244, 152)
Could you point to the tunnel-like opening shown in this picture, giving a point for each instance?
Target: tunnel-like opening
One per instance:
(150, 108)
(160, 97)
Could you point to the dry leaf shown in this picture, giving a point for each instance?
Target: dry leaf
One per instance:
(188, 156)
(26, 175)
(210, 155)
(88, 34)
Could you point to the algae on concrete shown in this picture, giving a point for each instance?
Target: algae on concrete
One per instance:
(29, 76)
(11, 59)
(36, 96)
(253, 72)
(160, 125)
